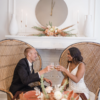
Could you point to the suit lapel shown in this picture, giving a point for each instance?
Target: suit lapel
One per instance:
(32, 68)
(27, 66)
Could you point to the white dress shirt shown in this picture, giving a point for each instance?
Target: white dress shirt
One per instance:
(30, 67)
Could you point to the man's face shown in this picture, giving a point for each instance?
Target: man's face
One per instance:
(33, 55)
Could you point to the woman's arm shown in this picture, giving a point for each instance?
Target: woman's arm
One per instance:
(76, 78)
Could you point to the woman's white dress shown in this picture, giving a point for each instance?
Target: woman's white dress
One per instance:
(79, 87)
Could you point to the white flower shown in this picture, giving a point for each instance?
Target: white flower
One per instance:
(51, 29)
(56, 27)
(58, 95)
(40, 96)
(55, 31)
(63, 99)
(48, 89)
(59, 85)
(48, 26)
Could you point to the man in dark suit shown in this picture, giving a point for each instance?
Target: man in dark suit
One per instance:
(24, 73)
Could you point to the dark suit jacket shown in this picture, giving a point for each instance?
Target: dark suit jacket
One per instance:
(22, 76)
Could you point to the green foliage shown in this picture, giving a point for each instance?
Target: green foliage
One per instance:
(72, 98)
(62, 88)
(38, 28)
(43, 88)
(50, 23)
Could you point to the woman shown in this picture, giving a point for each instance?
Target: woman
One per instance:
(75, 72)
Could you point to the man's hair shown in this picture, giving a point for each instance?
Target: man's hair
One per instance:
(27, 50)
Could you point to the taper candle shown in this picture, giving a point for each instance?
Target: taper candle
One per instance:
(26, 20)
(22, 15)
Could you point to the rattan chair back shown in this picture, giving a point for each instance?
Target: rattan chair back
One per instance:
(91, 57)
(11, 51)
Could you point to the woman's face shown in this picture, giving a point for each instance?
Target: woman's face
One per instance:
(70, 58)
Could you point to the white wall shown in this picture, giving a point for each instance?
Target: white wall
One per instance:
(29, 6)
(73, 7)
(3, 19)
(97, 20)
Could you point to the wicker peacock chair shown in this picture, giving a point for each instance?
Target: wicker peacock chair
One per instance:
(91, 56)
(11, 51)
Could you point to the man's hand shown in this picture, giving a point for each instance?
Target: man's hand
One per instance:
(48, 81)
(46, 70)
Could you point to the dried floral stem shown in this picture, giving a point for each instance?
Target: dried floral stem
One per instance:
(67, 27)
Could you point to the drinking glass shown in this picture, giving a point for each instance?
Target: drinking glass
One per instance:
(56, 65)
(52, 64)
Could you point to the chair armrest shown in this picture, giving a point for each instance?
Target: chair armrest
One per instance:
(8, 92)
(96, 96)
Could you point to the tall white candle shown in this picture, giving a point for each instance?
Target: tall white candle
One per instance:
(78, 16)
(89, 6)
(13, 6)
(22, 15)
(26, 20)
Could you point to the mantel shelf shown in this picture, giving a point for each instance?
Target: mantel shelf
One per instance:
(50, 42)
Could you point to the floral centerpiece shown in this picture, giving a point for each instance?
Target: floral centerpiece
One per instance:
(50, 30)
(57, 93)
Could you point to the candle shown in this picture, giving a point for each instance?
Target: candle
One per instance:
(26, 20)
(13, 6)
(22, 15)
(78, 16)
(89, 7)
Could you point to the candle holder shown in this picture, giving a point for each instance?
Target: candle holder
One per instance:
(25, 28)
(77, 28)
(21, 26)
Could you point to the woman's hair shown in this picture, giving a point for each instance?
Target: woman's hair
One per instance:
(76, 54)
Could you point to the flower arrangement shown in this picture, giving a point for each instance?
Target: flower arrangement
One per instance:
(50, 30)
(58, 93)
(43, 88)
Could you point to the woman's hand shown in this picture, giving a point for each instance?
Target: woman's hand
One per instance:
(60, 68)
(46, 70)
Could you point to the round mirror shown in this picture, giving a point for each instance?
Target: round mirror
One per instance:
(54, 11)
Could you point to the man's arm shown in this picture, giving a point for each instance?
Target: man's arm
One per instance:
(45, 70)
(25, 77)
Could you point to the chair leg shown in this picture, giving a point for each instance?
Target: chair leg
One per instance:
(8, 97)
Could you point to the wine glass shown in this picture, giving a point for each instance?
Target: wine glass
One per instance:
(52, 64)
(56, 65)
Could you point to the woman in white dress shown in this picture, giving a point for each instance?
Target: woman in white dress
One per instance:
(75, 72)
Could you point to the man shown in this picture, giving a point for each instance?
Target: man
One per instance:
(24, 73)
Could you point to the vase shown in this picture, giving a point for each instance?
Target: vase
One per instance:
(88, 30)
(13, 28)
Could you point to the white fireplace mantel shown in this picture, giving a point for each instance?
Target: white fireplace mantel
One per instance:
(45, 42)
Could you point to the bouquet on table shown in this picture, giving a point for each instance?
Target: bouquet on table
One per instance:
(50, 30)
(57, 93)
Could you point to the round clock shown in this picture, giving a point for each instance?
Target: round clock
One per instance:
(54, 11)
